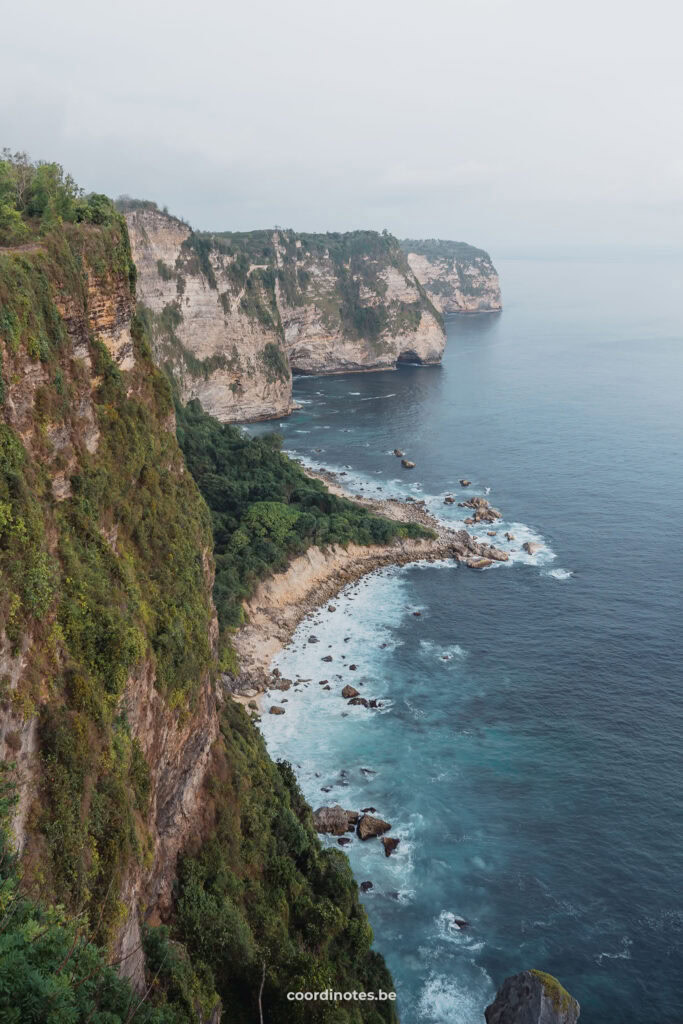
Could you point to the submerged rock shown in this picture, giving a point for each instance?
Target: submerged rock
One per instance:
(532, 997)
(361, 701)
(369, 827)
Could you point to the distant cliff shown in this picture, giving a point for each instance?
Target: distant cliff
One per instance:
(212, 319)
(457, 277)
(234, 313)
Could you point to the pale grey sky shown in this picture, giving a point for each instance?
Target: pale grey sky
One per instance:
(507, 123)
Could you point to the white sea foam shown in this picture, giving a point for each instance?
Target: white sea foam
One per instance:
(374, 398)
(559, 574)
(449, 653)
(623, 954)
(444, 1000)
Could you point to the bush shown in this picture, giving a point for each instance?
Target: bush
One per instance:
(264, 508)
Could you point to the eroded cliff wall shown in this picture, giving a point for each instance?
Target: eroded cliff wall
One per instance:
(144, 795)
(458, 278)
(107, 625)
(214, 323)
(351, 302)
(234, 313)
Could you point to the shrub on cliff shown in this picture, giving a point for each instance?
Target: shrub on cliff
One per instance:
(101, 554)
(50, 971)
(37, 197)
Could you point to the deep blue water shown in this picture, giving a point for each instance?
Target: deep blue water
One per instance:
(529, 754)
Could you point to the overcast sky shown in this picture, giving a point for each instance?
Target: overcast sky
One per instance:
(506, 123)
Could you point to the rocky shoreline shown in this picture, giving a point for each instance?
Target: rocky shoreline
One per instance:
(283, 600)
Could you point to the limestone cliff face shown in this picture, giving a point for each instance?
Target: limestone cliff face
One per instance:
(216, 327)
(351, 302)
(235, 312)
(457, 277)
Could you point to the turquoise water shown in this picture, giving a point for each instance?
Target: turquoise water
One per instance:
(528, 753)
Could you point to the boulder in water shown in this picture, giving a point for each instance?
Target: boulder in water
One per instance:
(407, 464)
(369, 827)
(389, 845)
(365, 886)
(398, 453)
(275, 710)
(531, 547)
(532, 997)
(349, 691)
(334, 820)
(465, 483)
(478, 563)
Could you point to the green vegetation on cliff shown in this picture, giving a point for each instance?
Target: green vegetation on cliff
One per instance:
(262, 895)
(352, 298)
(443, 249)
(101, 575)
(105, 573)
(264, 508)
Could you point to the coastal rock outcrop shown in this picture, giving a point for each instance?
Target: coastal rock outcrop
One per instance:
(389, 843)
(334, 820)
(457, 277)
(369, 827)
(234, 312)
(213, 319)
(532, 997)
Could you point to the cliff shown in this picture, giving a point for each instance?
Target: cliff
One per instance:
(457, 277)
(213, 323)
(107, 627)
(232, 312)
(146, 839)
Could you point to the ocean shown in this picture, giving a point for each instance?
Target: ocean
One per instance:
(528, 752)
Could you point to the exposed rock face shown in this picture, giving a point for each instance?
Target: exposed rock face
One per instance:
(215, 324)
(334, 820)
(233, 311)
(369, 827)
(457, 277)
(532, 997)
(351, 302)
